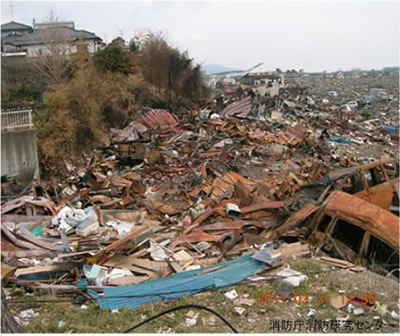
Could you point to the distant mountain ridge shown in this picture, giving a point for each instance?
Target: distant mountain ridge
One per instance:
(210, 69)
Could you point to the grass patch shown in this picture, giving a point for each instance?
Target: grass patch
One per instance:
(257, 318)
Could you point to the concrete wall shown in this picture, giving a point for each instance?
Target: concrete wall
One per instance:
(271, 91)
(19, 154)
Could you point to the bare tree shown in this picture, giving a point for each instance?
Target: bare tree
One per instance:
(51, 59)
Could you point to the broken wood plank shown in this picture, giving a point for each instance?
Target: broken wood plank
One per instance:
(140, 232)
(209, 211)
(37, 269)
(295, 249)
(335, 262)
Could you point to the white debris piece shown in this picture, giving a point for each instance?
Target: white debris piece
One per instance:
(118, 273)
(291, 277)
(121, 227)
(240, 311)
(358, 311)
(182, 256)
(28, 262)
(157, 252)
(232, 295)
(27, 314)
(202, 246)
(350, 308)
(232, 209)
(191, 319)
(311, 312)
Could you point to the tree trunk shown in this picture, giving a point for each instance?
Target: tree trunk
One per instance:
(8, 323)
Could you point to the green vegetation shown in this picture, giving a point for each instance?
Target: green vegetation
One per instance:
(103, 91)
(114, 58)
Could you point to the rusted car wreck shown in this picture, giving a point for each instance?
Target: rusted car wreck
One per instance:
(350, 228)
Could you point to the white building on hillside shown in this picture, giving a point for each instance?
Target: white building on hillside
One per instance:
(46, 39)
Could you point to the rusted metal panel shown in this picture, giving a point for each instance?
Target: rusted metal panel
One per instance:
(21, 201)
(292, 136)
(262, 206)
(158, 118)
(222, 185)
(194, 238)
(380, 195)
(234, 225)
(237, 109)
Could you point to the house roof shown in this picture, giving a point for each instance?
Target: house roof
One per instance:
(45, 35)
(10, 38)
(12, 26)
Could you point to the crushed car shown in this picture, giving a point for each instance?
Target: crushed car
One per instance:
(349, 228)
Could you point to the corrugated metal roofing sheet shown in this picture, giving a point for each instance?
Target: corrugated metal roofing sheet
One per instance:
(237, 109)
(158, 118)
(180, 284)
(21, 201)
(292, 136)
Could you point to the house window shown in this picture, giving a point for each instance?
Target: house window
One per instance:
(382, 255)
(348, 234)
(323, 225)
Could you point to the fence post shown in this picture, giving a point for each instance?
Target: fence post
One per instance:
(30, 118)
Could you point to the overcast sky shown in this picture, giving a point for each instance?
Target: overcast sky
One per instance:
(314, 35)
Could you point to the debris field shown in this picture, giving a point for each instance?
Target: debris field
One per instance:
(173, 205)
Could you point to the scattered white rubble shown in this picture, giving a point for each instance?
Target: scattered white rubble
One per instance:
(291, 277)
(232, 295)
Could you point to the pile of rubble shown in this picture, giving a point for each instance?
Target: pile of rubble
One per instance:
(173, 206)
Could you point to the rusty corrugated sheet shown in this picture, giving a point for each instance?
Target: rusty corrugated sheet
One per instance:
(158, 118)
(222, 185)
(292, 136)
(378, 221)
(155, 119)
(237, 109)
(21, 201)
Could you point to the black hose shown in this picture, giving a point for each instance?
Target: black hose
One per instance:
(183, 307)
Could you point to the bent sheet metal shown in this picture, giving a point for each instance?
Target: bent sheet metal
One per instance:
(180, 284)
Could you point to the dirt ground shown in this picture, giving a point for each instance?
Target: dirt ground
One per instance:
(258, 318)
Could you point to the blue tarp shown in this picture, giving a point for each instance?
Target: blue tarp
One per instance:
(180, 284)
